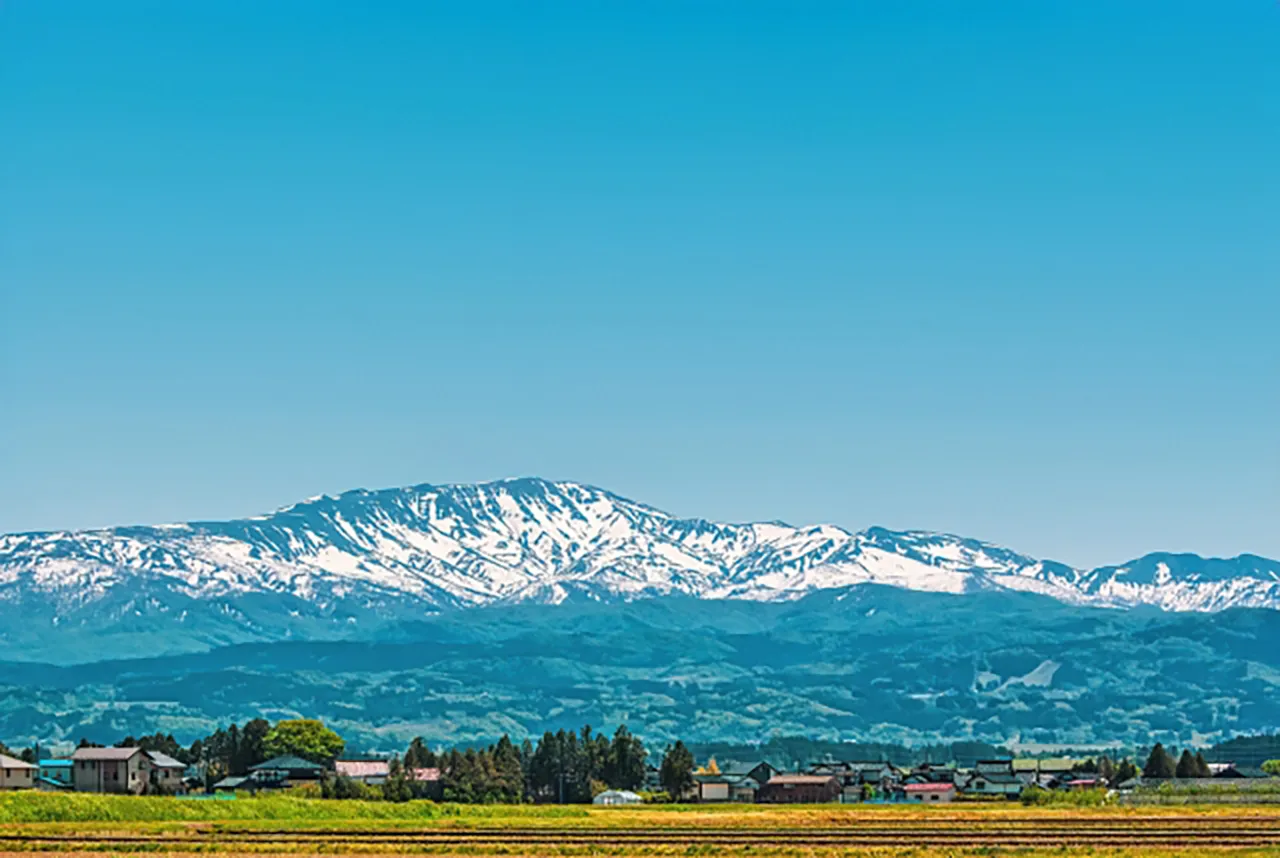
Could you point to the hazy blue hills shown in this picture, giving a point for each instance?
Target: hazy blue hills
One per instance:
(867, 662)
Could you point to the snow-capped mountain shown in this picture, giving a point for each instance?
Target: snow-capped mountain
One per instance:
(433, 547)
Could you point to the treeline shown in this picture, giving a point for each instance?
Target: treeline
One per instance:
(565, 766)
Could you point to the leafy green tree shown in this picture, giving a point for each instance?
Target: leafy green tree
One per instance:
(1160, 764)
(676, 772)
(304, 737)
(1272, 767)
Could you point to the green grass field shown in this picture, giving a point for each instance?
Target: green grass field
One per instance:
(280, 824)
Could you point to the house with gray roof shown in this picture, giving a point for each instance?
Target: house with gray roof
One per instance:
(113, 770)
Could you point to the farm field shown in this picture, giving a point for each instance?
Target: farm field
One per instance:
(81, 824)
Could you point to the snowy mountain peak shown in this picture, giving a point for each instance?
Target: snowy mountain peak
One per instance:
(531, 539)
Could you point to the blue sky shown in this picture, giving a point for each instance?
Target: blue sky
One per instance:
(1006, 269)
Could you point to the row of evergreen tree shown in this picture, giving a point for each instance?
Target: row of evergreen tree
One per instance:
(1161, 764)
(564, 766)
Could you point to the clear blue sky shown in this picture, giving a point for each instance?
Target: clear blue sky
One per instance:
(1008, 269)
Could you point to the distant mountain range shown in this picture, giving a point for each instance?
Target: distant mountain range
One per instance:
(344, 566)
(460, 612)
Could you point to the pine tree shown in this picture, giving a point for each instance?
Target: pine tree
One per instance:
(419, 756)
(626, 757)
(1160, 764)
(676, 772)
(1186, 765)
(508, 771)
(397, 786)
(1202, 766)
(1125, 770)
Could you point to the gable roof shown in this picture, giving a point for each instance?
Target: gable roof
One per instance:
(363, 768)
(801, 779)
(995, 778)
(288, 761)
(105, 754)
(1044, 766)
(165, 761)
(424, 775)
(7, 762)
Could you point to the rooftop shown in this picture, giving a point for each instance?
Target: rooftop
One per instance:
(105, 754)
(363, 768)
(929, 787)
(800, 779)
(13, 763)
(165, 761)
(287, 762)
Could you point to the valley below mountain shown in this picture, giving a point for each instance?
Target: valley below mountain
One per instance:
(868, 663)
(463, 612)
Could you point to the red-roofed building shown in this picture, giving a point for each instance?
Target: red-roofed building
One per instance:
(929, 792)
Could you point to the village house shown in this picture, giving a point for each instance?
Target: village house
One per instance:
(859, 778)
(16, 774)
(371, 772)
(167, 774)
(800, 789)
(927, 793)
(1047, 773)
(119, 770)
(993, 777)
(285, 772)
(55, 775)
(934, 773)
(713, 788)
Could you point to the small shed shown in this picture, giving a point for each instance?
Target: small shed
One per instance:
(617, 796)
(928, 793)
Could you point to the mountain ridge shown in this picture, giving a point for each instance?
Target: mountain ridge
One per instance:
(467, 545)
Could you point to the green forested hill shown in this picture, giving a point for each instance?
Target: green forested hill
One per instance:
(868, 663)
